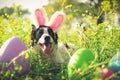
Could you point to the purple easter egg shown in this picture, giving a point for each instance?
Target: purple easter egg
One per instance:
(11, 49)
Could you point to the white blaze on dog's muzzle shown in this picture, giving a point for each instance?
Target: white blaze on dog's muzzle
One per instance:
(45, 38)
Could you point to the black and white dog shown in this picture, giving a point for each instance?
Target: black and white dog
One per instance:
(45, 37)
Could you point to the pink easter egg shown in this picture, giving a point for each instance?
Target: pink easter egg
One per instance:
(106, 73)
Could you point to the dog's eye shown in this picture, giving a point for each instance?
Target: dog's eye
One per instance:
(53, 35)
(50, 31)
(41, 31)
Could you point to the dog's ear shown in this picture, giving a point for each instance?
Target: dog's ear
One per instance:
(33, 27)
(33, 36)
(56, 20)
(40, 16)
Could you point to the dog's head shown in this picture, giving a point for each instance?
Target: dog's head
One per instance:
(46, 36)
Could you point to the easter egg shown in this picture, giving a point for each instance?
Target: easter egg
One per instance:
(80, 61)
(11, 49)
(106, 72)
(114, 63)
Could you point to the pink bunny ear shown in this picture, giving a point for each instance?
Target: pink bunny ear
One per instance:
(40, 15)
(56, 20)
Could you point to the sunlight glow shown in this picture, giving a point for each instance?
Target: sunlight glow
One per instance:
(26, 4)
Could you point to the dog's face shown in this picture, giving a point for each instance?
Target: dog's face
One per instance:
(45, 37)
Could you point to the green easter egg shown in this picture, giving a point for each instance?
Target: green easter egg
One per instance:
(80, 60)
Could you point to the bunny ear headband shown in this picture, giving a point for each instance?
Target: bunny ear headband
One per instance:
(55, 21)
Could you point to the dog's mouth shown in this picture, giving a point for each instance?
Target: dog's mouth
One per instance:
(46, 48)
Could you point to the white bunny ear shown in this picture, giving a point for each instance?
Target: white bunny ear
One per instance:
(56, 20)
(40, 16)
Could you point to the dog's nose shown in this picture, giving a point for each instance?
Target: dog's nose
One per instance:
(47, 39)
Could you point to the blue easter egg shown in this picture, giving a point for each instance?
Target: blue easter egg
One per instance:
(114, 63)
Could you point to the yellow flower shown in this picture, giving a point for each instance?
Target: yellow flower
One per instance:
(86, 11)
(110, 64)
(63, 77)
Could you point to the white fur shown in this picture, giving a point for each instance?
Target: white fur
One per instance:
(61, 55)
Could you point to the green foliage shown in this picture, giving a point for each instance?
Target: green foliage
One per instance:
(102, 39)
(109, 6)
(13, 10)
(14, 26)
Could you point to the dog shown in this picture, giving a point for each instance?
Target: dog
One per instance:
(46, 37)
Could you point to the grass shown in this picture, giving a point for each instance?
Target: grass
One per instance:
(103, 43)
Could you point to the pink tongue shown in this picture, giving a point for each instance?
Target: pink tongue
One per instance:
(46, 49)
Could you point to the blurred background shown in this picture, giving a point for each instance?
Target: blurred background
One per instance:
(74, 7)
(26, 4)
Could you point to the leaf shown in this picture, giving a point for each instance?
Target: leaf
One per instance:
(26, 55)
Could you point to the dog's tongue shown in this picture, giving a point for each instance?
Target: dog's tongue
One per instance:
(46, 49)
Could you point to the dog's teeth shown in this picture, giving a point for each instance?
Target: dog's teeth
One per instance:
(44, 47)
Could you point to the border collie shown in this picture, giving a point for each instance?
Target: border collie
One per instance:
(45, 37)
